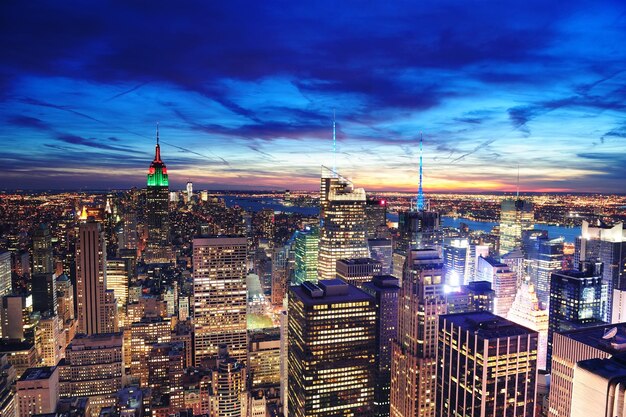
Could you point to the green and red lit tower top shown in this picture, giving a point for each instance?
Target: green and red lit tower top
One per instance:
(157, 174)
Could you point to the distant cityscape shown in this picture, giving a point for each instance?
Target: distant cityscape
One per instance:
(164, 302)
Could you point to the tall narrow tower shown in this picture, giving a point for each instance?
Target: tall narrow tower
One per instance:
(157, 210)
(97, 307)
(414, 352)
(342, 223)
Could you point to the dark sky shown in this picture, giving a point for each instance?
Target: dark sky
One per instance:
(245, 92)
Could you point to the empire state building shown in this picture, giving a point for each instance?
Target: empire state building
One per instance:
(158, 248)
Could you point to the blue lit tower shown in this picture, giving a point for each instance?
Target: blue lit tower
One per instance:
(418, 227)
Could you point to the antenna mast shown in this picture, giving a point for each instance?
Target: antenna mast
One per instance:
(334, 145)
(420, 191)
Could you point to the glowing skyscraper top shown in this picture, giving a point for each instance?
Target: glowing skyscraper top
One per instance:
(420, 191)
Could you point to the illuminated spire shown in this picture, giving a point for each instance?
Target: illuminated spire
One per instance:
(420, 191)
(157, 174)
(334, 145)
(157, 154)
(83, 214)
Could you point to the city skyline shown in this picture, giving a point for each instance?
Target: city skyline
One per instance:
(245, 100)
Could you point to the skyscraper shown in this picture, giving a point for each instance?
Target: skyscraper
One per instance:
(487, 366)
(516, 215)
(575, 301)
(342, 223)
(5, 273)
(157, 210)
(571, 347)
(358, 271)
(220, 297)
(385, 289)
(43, 261)
(332, 350)
(418, 229)
(96, 309)
(544, 257)
(228, 386)
(306, 252)
(280, 274)
(503, 281)
(381, 250)
(456, 257)
(608, 245)
(44, 293)
(422, 300)
(375, 218)
(599, 387)
(93, 367)
(528, 312)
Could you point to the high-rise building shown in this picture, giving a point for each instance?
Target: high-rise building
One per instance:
(93, 367)
(139, 338)
(385, 289)
(608, 245)
(44, 293)
(528, 312)
(487, 366)
(544, 258)
(575, 301)
(43, 261)
(332, 350)
(342, 223)
(18, 321)
(118, 279)
(418, 229)
(97, 310)
(228, 386)
(189, 191)
(50, 343)
(375, 218)
(306, 253)
(264, 358)
(358, 271)
(37, 391)
(473, 297)
(280, 274)
(381, 250)
(7, 396)
(503, 281)
(157, 210)
(220, 296)
(422, 300)
(599, 387)
(572, 347)
(5, 273)
(516, 215)
(165, 365)
(456, 258)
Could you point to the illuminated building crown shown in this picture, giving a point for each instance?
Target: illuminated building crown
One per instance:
(157, 174)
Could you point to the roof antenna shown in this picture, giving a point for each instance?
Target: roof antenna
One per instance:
(334, 146)
(517, 181)
(157, 132)
(420, 191)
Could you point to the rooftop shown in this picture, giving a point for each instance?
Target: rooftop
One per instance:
(608, 368)
(487, 325)
(43, 372)
(610, 338)
(329, 291)
(358, 261)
